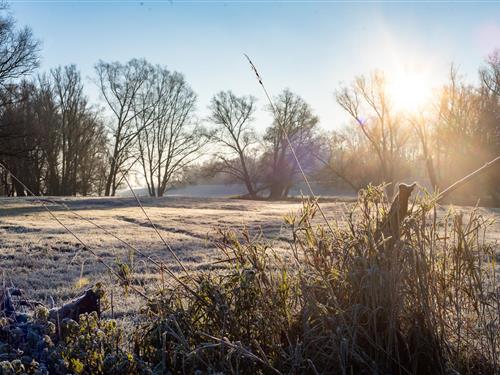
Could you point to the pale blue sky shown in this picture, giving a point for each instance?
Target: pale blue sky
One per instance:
(307, 46)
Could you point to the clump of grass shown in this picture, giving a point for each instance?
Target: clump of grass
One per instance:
(349, 301)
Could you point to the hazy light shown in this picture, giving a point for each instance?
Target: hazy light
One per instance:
(409, 90)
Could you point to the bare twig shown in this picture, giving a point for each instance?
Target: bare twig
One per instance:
(467, 178)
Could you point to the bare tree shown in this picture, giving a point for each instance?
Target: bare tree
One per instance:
(91, 155)
(20, 137)
(119, 85)
(56, 141)
(348, 156)
(456, 119)
(233, 116)
(468, 121)
(490, 74)
(366, 101)
(295, 124)
(49, 126)
(74, 122)
(18, 57)
(168, 136)
(490, 94)
(425, 131)
(18, 51)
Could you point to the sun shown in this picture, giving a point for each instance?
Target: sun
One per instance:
(409, 91)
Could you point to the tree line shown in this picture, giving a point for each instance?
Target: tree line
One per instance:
(57, 143)
(456, 133)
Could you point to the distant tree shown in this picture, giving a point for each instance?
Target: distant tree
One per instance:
(294, 123)
(348, 157)
(468, 124)
(168, 136)
(18, 51)
(457, 118)
(20, 138)
(367, 102)
(425, 131)
(18, 57)
(50, 128)
(91, 162)
(490, 93)
(233, 116)
(80, 133)
(120, 85)
(55, 142)
(490, 74)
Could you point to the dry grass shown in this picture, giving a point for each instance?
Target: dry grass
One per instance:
(40, 257)
(350, 302)
(290, 298)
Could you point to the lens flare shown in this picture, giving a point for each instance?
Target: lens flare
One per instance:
(409, 91)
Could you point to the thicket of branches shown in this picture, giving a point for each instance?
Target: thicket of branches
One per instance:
(457, 132)
(58, 143)
(51, 138)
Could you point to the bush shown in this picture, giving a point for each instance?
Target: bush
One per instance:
(31, 345)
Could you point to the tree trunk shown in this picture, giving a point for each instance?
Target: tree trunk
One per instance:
(277, 189)
(109, 180)
(431, 172)
(251, 192)
(19, 189)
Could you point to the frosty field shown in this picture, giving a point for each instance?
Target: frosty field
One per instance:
(38, 255)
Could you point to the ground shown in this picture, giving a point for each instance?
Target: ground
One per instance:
(40, 256)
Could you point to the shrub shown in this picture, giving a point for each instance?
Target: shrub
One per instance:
(90, 346)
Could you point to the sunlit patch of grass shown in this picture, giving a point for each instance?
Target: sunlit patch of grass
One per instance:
(82, 282)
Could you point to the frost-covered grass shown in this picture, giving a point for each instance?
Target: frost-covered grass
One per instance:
(269, 288)
(41, 257)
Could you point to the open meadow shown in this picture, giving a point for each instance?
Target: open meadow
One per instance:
(49, 264)
(275, 262)
(41, 257)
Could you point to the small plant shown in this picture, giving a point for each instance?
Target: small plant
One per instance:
(94, 346)
(33, 345)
